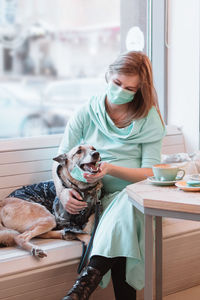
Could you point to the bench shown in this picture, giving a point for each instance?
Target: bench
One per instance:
(24, 277)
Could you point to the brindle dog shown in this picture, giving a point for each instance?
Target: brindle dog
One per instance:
(21, 220)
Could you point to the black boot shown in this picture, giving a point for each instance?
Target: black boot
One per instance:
(85, 284)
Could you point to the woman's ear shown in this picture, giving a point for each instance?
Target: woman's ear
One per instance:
(61, 159)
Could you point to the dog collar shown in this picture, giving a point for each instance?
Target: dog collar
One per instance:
(83, 190)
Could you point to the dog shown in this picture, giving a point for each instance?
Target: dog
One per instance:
(20, 220)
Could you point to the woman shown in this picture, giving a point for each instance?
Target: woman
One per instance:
(125, 126)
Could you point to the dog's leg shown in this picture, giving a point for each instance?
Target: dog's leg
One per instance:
(53, 234)
(26, 245)
(85, 237)
(42, 225)
(10, 237)
(59, 234)
(89, 225)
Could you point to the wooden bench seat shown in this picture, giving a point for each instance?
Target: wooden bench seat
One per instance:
(178, 227)
(15, 260)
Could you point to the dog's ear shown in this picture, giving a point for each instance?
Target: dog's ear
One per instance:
(61, 159)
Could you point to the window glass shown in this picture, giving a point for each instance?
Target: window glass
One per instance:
(136, 25)
(53, 57)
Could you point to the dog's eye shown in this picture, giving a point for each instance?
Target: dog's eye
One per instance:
(79, 151)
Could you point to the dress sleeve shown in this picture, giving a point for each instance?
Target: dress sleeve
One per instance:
(151, 154)
(73, 134)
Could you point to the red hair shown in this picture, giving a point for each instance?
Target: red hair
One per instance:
(137, 63)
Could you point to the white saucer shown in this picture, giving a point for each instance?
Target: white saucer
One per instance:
(158, 182)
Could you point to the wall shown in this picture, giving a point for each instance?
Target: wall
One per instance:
(183, 68)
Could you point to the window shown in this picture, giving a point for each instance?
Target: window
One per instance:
(53, 57)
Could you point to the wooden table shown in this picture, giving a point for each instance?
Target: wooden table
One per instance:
(160, 201)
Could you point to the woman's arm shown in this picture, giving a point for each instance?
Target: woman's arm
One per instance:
(151, 154)
(128, 174)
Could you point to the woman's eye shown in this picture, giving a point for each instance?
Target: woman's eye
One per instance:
(79, 151)
(117, 83)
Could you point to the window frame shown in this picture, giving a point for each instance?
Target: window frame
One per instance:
(156, 35)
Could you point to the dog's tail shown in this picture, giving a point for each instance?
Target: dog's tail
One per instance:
(7, 236)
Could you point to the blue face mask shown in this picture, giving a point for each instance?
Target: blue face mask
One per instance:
(77, 173)
(118, 95)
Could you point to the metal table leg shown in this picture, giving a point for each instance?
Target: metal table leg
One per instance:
(158, 257)
(148, 289)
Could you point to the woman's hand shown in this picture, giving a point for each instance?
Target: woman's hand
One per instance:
(72, 201)
(103, 170)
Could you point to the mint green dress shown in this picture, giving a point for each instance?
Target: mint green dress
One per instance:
(121, 228)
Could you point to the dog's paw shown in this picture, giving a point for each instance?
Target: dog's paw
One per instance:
(68, 236)
(37, 252)
(85, 238)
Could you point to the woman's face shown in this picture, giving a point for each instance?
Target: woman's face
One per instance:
(127, 82)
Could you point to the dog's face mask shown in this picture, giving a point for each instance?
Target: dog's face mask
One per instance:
(80, 160)
(78, 174)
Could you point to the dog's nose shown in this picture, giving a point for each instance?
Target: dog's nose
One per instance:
(95, 154)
